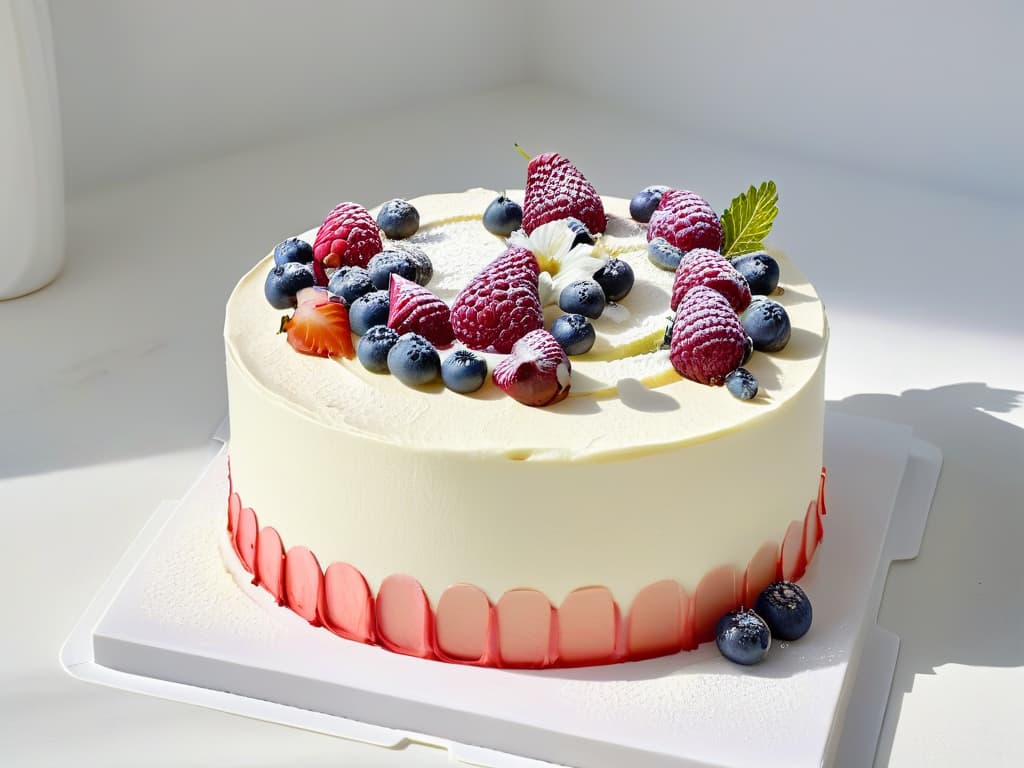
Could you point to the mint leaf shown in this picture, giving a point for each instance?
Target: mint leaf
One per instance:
(748, 220)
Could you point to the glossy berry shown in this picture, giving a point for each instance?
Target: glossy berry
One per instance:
(374, 346)
(663, 255)
(741, 384)
(743, 637)
(666, 342)
(760, 270)
(581, 234)
(291, 250)
(786, 610)
(574, 334)
(538, 371)
(748, 350)
(767, 323)
(582, 297)
(645, 202)
(616, 279)
(389, 262)
(350, 284)
(464, 371)
(414, 361)
(503, 216)
(398, 219)
(284, 281)
(369, 310)
(319, 326)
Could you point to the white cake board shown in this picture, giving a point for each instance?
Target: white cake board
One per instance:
(172, 622)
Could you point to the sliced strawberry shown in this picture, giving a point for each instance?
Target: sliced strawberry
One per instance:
(319, 327)
(414, 309)
(537, 372)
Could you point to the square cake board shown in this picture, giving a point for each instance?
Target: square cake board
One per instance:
(172, 622)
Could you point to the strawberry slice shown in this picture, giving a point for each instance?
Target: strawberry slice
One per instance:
(319, 325)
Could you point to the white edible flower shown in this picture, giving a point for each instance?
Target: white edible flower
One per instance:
(560, 261)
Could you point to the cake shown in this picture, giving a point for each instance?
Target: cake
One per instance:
(618, 521)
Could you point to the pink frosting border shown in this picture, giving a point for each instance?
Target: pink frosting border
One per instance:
(522, 629)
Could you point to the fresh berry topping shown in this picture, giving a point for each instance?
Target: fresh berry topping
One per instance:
(291, 250)
(574, 333)
(414, 309)
(374, 346)
(583, 297)
(413, 360)
(760, 270)
(702, 266)
(742, 384)
(645, 202)
(767, 323)
(501, 304)
(786, 610)
(743, 637)
(350, 283)
(686, 220)
(389, 262)
(349, 235)
(464, 371)
(369, 310)
(666, 342)
(398, 219)
(503, 216)
(319, 326)
(581, 235)
(748, 349)
(707, 338)
(555, 189)
(420, 260)
(616, 279)
(663, 255)
(537, 372)
(284, 281)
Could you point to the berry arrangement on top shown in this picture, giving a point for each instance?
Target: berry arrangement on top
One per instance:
(360, 277)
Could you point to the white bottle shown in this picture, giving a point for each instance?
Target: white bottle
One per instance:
(31, 163)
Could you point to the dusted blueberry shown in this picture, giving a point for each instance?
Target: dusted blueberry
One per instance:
(574, 333)
(582, 234)
(389, 262)
(503, 216)
(767, 323)
(743, 637)
(369, 310)
(760, 270)
(420, 260)
(786, 610)
(582, 297)
(291, 250)
(464, 371)
(664, 255)
(374, 346)
(615, 278)
(350, 284)
(646, 202)
(284, 281)
(398, 219)
(414, 360)
(742, 384)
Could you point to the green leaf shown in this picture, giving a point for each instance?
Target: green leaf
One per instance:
(748, 220)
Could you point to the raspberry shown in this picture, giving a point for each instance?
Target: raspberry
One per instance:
(348, 237)
(555, 189)
(686, 220)
(501, 304)
(414, 309)
(537, 372)
(711, 269)
(707, 339)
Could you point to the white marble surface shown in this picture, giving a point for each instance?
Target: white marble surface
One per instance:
(114, 381)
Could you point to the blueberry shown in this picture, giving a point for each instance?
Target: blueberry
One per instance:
(369, 310)
(666, 342)
(284, 281)
(374, 346)
(503, 216)
(583, 235)
(786, 610)
(742, 384)
(645, 202)
(350, 284)
(291, 250)
(574, 334)
(420, 260)
(398, 219)
(748, 350)
(615, 278)
(387, 262)
(464, 371)
(743, 637)
(664, 255)
(583, 297)
(414, 360)
(760, 270)
(767, 323)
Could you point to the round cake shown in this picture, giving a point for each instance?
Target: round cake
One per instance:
(620, 521)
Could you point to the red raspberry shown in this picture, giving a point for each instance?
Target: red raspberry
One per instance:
(555, 189)
(414, 309)
(686, 220)
(707, 338)
(702, 266)
(348, 237)
(501, 304)
(537, 372)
